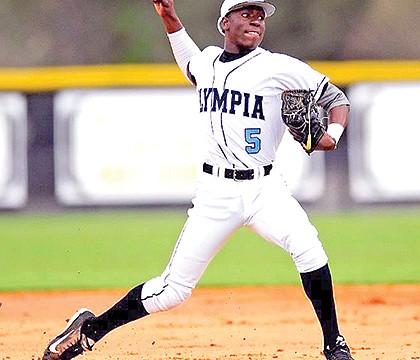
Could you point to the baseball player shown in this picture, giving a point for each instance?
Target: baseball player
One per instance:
(241, 90)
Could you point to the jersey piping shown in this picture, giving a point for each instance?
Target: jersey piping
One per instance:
(221, 114)
(211, 114)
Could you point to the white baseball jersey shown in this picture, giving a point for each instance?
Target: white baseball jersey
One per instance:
(240, 103)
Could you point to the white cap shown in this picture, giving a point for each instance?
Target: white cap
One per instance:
(231, 5)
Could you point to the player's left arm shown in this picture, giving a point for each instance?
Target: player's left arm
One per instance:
(335, 102)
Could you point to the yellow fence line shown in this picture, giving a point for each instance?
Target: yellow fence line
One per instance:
(348, 72)
(44, 79)
(97, 76)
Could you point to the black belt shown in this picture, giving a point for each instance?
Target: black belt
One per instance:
(236, 174)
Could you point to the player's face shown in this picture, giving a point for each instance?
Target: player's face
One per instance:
(244, 29)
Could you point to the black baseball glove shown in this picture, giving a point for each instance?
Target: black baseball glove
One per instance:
(303, 118)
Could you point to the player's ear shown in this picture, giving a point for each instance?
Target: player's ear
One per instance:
(225, 23)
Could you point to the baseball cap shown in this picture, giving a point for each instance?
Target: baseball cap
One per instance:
(231, 5)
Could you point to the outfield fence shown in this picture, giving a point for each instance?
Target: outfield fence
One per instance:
(124, 135)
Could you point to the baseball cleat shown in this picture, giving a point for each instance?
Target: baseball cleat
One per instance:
(71, 342)
(340, 351)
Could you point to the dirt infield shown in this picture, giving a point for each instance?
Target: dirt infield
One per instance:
(380, 322)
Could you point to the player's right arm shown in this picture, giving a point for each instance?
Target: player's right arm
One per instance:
(183, 47)
(166, 10)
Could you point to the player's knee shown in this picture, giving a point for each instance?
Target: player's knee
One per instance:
(157, 295)
(311, 259)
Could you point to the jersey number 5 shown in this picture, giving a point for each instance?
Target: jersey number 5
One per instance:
(251, 137)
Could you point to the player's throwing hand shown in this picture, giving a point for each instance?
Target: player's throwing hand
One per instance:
(162, 6)
(166, 10)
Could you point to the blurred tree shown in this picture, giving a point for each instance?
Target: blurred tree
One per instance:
(51, 32)
(65, 32)
(312, 30)
(386, 30)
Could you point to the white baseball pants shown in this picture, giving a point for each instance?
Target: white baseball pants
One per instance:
(220, 207)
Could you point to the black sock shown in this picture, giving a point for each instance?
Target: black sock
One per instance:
(128, 309)
(319, 289)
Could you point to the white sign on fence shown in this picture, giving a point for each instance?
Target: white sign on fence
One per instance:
(13, 158)
(383, 142)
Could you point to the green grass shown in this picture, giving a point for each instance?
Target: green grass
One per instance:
(121, 249)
